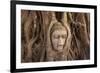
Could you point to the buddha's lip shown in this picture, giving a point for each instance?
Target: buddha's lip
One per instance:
(60, 46)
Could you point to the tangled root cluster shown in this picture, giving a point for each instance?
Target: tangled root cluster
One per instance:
(34, 27)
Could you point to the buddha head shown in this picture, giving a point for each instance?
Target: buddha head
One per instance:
(58, 36)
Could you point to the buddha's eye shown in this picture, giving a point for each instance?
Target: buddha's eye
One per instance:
(64, 36)
(56, 36)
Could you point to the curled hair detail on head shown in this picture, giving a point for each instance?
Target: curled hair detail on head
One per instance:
(57, 26)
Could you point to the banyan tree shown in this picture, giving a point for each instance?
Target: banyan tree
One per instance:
(36, 29)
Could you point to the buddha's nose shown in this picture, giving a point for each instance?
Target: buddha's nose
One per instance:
(61, 41)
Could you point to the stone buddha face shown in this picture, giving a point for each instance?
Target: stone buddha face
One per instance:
(58, 37)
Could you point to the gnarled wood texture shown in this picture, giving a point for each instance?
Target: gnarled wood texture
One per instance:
(35, 35)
